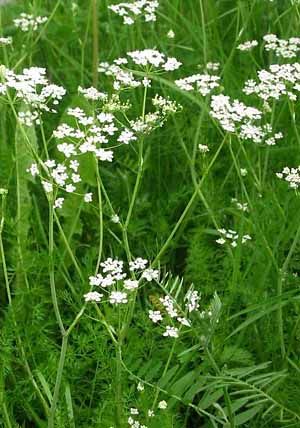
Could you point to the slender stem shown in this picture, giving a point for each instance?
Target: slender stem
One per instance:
(164, 373)
(51, 271)
(118, 416)
(58, 380)
(98, 178)
(188, 207)
(95, 42)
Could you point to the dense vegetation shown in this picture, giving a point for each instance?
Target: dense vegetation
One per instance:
(159, 169)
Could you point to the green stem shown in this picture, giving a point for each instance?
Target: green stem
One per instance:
(58, 380)
(51, 271)
(95, 42)
(118, 416)
(100, 248)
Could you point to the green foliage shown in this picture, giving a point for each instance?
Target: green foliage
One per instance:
(238, 364)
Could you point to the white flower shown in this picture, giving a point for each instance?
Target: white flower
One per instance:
(33, 169)
(70, 188)
(117, 297)
(243, 172)
(130, 284)
(282, 48)
(140, 386)
(92, 93)
(5, 41)
(151, 413)
(192, 297)
(170, 34)
(171, 64)
(88, 197)
(126, 136)
(28, 22)
(93, 296)
(202, 83)
(115, 218)
(130, 11)
(171, 331)
(58, 203)
(291, 176)
(47, 186)
(155, 316)
(134, 411)
(138, 264)
(150, 274)
(247, 46)
(203, 148)
(162, 405)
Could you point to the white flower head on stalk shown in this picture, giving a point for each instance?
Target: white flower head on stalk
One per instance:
(140, 387)
(192, 299)
(33, 88)
(28, 22)
(139, 8)
(280, 80)
(113, 278)
(147, 59)
(202, 83)
(92, 94)
(231, 237)
(93, 296)
(155, 316)
(118, 297)
(247, 46)
(291, 176)
(4, 41)
(171, 332)
(170, 34)
(245, 121)
(88, 197)
(282, 48)
(162, 405)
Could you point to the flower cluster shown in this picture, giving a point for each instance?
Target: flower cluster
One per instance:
(130, 11)
(32, 87)
(239, 205)
(279, 80)
(152, 120)
(291, 176)
(4, 41)
(282, 48)
(116, 284)
(28, 22)
(169, 313)
(231, 237)
(134, 412)
(235, 116)
(203, 83)
(147, 58)
(247, 46)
